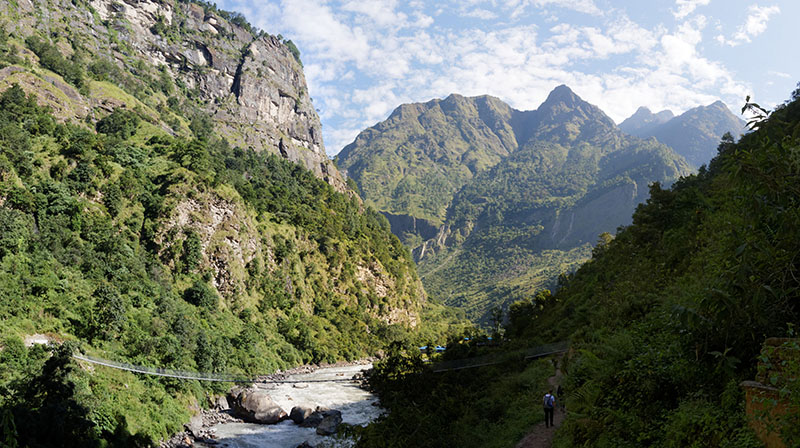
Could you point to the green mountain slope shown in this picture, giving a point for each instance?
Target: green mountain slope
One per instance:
(552, 180)
(177, 62)
(413, 162)
(694, 134)
(517, 226)
(664, 324)
(670, 316)
(136, 226)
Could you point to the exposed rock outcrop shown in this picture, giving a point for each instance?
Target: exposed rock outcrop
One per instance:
(248, 81)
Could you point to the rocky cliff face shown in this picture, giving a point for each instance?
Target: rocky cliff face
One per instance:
(249, 82)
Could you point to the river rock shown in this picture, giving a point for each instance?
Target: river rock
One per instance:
(316, 418)
(195, 425)
(222, 403)
(300, 413)
(256, 406)
(329, 424)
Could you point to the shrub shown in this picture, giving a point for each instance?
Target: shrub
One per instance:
(202, 295)
(121, 123)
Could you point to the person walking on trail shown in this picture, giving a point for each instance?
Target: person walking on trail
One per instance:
(549, 406)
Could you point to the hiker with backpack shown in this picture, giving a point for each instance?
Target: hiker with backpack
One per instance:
(549, 407)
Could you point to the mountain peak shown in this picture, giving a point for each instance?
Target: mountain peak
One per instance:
(643, 121)
(567, 116)
(562, 94)
(718, 104)
(695, 133)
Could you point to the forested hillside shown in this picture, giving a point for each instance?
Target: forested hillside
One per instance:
(665, 321)
(669, 317)
(134, 227)
(517, 226)
(417, 159)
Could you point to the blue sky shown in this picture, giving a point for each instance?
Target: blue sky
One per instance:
(363, 58)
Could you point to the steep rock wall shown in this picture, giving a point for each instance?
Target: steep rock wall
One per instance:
(249, 82)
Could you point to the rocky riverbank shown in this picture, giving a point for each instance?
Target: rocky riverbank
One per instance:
(254, 404)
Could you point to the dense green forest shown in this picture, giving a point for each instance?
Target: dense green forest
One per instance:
(665, 320)
(143, 219)
(92, 250)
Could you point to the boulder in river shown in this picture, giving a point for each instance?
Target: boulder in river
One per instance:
(256, 406)
(330, 424)
(300, 413)
(314, 420)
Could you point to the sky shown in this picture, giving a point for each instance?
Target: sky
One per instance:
(363, 58)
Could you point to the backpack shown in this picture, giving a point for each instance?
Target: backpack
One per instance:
(549, 400)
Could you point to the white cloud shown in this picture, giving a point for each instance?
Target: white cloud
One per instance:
(423, 21)
(584, 6)
(780, 74)
(517, 8)
(322, 32)
(380, 12)
(479, 13)
(364, 58)
(686, 7)
(755, 24)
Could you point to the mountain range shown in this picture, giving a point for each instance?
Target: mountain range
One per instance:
(695, 134)
(519, 196)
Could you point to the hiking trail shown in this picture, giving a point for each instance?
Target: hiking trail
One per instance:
(541, 436)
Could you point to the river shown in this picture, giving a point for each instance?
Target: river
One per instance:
(357, 405)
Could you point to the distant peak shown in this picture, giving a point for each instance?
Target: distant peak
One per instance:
(561, 93)
(718, 103)
(454, 96)
(643, 120)
(665, 115)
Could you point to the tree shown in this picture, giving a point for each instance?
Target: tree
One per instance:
(108, 312)
(50, 412)
(121, 123)
(603, 242)
(112, 198)
(202, 295)
(192, 251)
(497, 321)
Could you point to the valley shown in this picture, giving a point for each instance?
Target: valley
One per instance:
(543, 187)
(184, 263)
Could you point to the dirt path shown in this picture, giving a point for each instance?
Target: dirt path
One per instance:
(541, 436)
